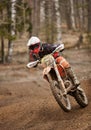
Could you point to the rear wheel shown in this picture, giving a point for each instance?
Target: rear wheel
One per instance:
(61, 98)
(81, 97)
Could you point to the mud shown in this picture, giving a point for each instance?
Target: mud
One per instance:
(26, 101)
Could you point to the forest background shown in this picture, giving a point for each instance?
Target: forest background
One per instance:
(47, 19)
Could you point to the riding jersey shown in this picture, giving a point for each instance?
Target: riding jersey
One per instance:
(45, 49)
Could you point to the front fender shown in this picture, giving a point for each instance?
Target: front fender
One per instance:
(46, 70)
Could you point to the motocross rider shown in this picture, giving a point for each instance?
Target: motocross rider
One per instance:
(37, 50)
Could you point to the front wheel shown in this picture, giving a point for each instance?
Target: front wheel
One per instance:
(81, 97)
(61, 99)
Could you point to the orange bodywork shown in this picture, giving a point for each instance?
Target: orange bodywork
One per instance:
(62, 64)
(62, 61)
(61, 70)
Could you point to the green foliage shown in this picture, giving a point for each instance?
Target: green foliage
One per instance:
(5, 21)
(20, 23)
(23, 13)
(29, 28)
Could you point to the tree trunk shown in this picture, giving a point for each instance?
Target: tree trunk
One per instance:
(84, 18)
(2, 50)
(89, 15)
(2, 39)
(81, 14)
(13, 25)
(67, 13)
(47, 22)
(35, 17)
(58, 23)
(72, 15)
(53, 20)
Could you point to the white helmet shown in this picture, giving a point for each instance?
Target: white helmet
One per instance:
(33, 40)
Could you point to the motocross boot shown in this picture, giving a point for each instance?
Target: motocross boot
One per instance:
(73, 77)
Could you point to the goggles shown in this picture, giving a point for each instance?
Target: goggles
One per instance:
(32, 47)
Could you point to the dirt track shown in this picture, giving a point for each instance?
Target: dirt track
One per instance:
(26, 101)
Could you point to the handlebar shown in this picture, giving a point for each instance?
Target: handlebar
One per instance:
(59, 48)
(34, 63)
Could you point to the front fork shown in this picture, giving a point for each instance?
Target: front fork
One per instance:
(61, 83)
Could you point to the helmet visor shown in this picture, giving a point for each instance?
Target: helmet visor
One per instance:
(32, 47)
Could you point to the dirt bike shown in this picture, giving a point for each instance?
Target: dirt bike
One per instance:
(60, 84)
